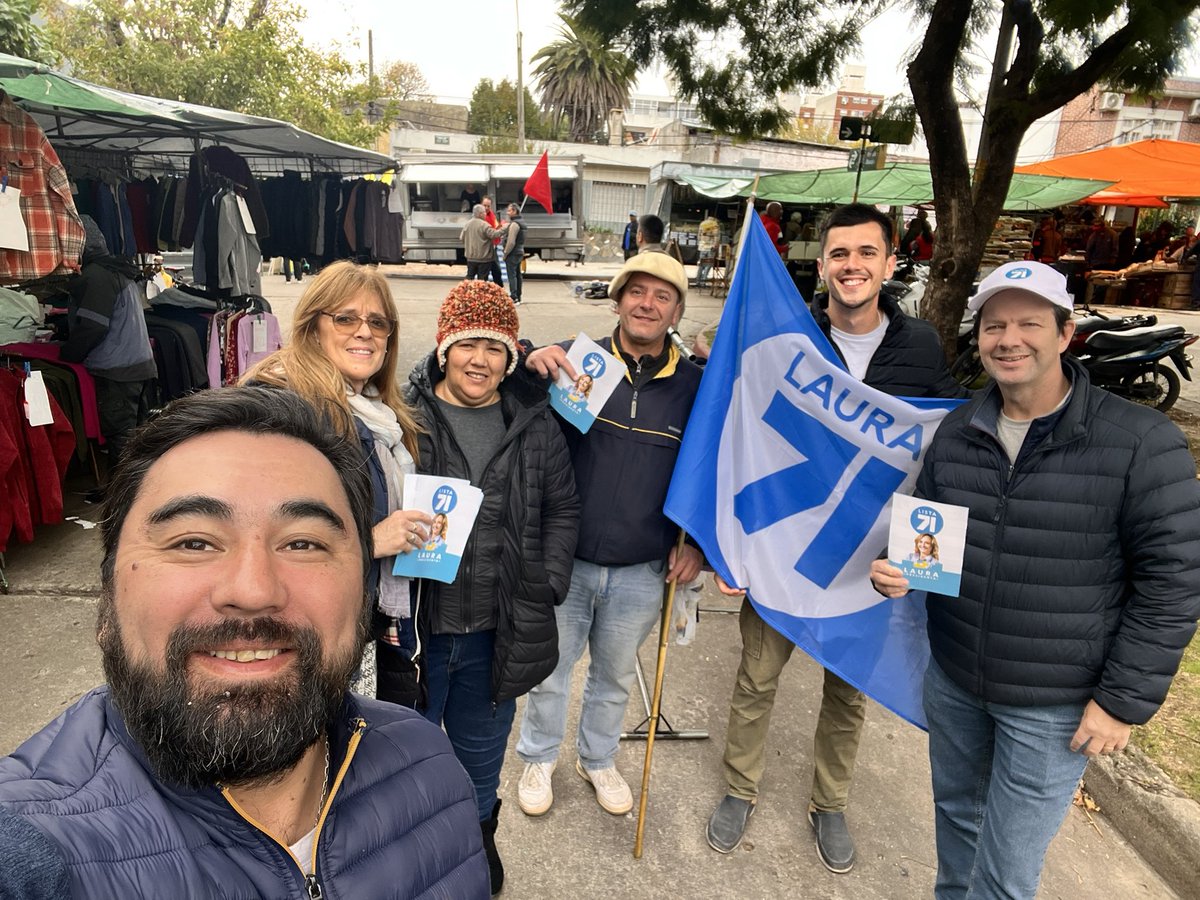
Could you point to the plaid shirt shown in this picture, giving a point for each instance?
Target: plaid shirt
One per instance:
(32, 166)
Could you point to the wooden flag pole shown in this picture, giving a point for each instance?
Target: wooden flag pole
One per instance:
(664, 630)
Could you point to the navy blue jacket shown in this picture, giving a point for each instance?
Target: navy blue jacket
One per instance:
(401, 822)
(623, 464)
(1079, 580)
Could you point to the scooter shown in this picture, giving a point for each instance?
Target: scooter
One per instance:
(1129, 360)
(1125, 356)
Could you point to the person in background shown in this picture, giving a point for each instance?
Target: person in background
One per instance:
(491, 635)
(771, 219)
(514, 252)
(106, 331)
(478, 239)
(468, 198)
(489, 215)
(791, 231)
(650, 234)
(341, 358)
(1101, 249)
(629, 244)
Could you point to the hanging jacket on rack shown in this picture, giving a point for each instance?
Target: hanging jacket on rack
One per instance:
(47, 208)
(33, 461)
(213, 167)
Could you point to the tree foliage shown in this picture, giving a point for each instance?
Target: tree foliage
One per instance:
(493, 114)
(581, 76)
(242, 55)
(736, 57)
(19, 36)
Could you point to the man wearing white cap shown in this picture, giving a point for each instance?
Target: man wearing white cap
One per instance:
(1080, 588)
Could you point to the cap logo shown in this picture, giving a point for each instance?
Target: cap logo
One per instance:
(1018, 274)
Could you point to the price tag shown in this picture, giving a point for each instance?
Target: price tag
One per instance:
(37, 401)
(13, 233)
(258, 335)
(247, 222)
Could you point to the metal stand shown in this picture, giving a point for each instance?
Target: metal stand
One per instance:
(664, 732)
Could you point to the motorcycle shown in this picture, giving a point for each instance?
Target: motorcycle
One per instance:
(1125, 356)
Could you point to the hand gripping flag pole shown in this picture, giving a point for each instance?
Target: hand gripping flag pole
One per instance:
(664, 630)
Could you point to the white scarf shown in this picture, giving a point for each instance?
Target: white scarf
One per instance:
(396, 462)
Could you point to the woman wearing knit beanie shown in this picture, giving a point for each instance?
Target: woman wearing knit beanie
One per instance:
(490, 636)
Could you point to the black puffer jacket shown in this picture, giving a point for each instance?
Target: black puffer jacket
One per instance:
(1080, 579)
(909, 361)
(518, 559)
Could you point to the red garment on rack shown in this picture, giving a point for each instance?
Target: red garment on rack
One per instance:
(87, 385)
(33, 462)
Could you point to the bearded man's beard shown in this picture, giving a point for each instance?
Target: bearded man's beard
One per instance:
(238, 733)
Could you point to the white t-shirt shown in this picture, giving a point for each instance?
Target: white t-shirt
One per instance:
(303, 851)
(1012, 432)
(859, 348)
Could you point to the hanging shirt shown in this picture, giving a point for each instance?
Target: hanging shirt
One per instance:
(258, 337)
(51, 220)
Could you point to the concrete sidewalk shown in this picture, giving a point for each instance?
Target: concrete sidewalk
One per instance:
(577, 851)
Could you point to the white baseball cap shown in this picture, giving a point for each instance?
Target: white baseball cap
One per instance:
(1034, 278)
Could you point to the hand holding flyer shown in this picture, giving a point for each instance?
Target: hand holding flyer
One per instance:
(580, 401)
(926, 542)
(454, 503)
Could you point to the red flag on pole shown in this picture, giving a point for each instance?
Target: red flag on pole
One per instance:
(537, 185)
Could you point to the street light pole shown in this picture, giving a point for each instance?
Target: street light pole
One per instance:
(520, 85)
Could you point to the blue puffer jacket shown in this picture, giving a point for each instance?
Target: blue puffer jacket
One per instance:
(401, 821)
(1079, 580)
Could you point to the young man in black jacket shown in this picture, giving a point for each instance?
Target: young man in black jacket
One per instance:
(1080, 588)
(902, 356)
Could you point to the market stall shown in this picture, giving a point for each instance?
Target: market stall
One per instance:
(1144, 174)
(154, 175)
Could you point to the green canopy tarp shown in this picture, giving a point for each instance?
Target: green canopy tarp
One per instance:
(78, 114)
(898, 184)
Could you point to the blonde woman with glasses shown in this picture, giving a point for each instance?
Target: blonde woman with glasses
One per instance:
(341, 358)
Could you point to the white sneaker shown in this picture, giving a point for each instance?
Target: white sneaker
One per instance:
(612, 793)
(535, 794)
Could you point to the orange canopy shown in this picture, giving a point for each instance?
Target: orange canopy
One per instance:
(1144, 172)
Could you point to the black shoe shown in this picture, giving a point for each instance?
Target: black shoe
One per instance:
(834, 844)
(495, 868)
(727, 825)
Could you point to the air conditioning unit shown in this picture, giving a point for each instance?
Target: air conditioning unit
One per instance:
(1194, 112)
(1111, 102)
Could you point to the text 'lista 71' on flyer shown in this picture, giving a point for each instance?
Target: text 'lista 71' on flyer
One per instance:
(926, 541)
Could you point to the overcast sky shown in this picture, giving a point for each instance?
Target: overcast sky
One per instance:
(457, 42)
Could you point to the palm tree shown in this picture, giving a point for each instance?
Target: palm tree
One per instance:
(581, 77)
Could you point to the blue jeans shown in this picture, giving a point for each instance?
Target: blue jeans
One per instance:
(610, 609)
(458, 676)
(1003, 779)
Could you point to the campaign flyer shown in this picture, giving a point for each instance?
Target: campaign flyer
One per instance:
(580, 401)
(453, 503)
(926, 541)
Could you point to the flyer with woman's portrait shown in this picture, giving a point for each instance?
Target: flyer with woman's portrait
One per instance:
(926, 541)
(453, 503)
(599, 373)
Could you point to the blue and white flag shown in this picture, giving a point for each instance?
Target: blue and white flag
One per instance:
(784, 479)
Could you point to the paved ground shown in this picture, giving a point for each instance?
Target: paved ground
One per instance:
(577, 851)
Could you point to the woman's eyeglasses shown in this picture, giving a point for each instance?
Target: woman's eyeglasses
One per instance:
(345, 323)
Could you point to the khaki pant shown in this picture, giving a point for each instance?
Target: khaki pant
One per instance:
(843, 708)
